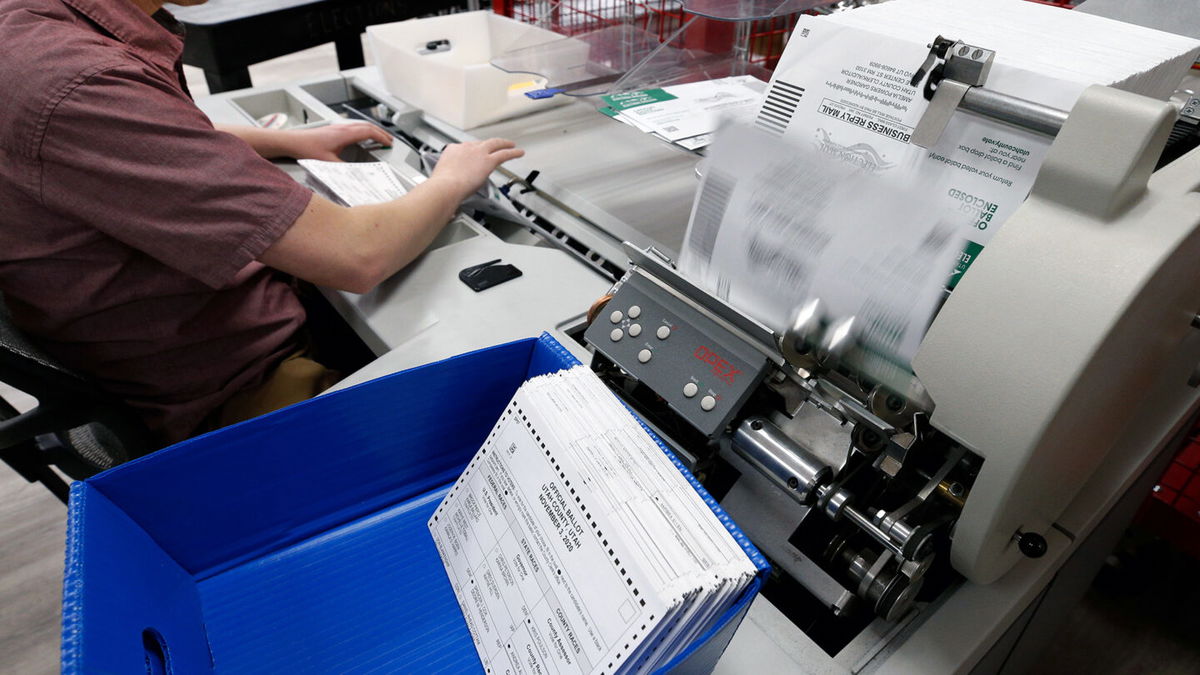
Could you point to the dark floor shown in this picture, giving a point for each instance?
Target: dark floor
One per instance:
(1141, 615)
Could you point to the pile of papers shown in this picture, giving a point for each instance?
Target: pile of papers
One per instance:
(841, 96)
(1051, 42)
(778, 226)
(575, 545)
(354, 183)
(361, 183)
(687, 114)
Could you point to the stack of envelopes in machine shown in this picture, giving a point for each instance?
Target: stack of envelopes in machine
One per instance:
(836, 212)
(575, 544)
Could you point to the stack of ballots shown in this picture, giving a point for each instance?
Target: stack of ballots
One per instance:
(575, 544)
(842, 101)
(1050, 41)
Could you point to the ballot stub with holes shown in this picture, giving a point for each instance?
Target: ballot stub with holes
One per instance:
(574, 544)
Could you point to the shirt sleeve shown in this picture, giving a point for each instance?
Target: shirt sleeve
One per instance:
(132, 156)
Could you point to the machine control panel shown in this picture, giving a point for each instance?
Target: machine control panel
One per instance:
(700, 368)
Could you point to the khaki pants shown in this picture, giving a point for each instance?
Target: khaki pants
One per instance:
(297, 378)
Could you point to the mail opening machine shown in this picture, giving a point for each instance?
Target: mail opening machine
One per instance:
(911, 531)
(1047, 384)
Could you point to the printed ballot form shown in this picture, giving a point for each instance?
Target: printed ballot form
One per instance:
(574, 545)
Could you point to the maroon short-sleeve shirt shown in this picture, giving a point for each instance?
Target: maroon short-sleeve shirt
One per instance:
(129, 226)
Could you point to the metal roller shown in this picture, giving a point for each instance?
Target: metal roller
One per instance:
(802, 475)
(781, 459)
(1018, 112)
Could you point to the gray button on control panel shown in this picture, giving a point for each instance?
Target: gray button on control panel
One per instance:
(700, 368)
(616, 316)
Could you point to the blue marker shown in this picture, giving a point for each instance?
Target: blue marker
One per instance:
(543, 93)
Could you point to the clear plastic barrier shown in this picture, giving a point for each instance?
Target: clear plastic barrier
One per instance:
(611, 46)
(625, 58)
(701, 50)
(585, 64)
(744, 10)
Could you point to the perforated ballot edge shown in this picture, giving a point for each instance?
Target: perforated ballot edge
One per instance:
(752, 552)
(457, 545)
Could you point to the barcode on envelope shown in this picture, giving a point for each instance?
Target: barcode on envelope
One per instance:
(779, 107)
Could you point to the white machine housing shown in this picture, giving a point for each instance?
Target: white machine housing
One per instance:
(1082, 304)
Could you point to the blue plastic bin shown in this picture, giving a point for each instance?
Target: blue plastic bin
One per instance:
(296, 542)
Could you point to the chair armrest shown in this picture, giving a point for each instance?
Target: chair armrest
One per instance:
(40, 420)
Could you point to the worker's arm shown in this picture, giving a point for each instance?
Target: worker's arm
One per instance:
(324, 142)
(354, 249)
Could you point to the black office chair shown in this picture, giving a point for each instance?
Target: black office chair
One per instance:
(75, 425)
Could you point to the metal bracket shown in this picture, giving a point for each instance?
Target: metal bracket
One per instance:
(946, 99)
(957, 83)
(965, 66)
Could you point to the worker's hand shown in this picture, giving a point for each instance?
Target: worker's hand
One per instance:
(327, 142)
(465, 166)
